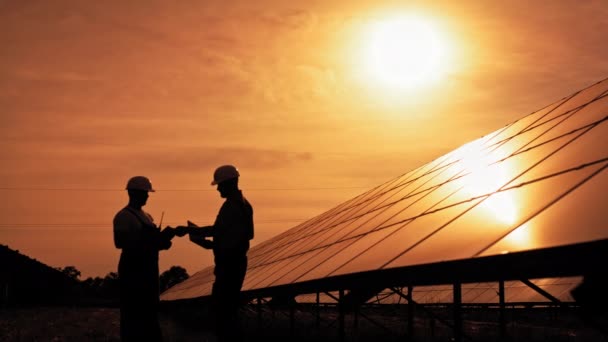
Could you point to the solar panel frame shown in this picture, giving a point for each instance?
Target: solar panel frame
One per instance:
(556, 158)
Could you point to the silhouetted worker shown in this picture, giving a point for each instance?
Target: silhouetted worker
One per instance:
(140, 240)
(231, 232)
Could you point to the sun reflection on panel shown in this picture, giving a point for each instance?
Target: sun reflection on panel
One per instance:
(518, 239)
(485, 178)
(501, 207)
(520, 235)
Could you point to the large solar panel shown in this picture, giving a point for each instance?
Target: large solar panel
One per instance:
(474, 293)
(538, 182)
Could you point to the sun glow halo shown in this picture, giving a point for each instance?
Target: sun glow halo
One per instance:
(404, 52)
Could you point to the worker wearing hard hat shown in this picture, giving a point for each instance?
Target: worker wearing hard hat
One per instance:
(231, 233)
(140, 241)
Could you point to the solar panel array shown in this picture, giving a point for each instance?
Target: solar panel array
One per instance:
(474, 293)
(540, 181)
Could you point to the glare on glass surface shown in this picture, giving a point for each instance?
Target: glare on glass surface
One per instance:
(483, 179)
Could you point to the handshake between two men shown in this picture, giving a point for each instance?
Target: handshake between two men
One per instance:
(197, 234)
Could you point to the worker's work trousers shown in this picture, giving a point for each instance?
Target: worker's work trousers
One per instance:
(229, 276)
(139, 298)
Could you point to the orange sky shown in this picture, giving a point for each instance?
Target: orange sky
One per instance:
(92, 93)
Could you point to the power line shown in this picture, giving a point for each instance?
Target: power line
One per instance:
(176, 190)
(97, 225)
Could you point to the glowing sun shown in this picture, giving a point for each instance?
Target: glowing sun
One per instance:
(404, 52)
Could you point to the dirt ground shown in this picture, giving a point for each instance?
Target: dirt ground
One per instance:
(59, 324)
(78, 324)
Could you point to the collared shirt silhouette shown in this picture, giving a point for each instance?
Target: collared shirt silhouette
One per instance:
(231, 233)
(140, 241)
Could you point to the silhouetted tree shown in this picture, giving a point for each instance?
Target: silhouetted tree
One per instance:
(106, 288)
(70, 271)
(110, 287)
(172, 276)
(93, 284)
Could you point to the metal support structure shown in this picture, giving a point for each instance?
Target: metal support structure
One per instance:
(356, 320)
(376, 323)
(458, 331)
(428, 312)
(554, 262)
(259, 314)
(318, 311)
(502, 319)
(341, 313)
(411, 311)
(541, 291)
(292, 319)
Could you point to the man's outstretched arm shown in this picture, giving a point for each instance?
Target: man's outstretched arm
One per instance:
(193, 229)
(201, 241)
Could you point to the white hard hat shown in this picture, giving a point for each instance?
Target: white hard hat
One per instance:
(223, 173)
(139, 183)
